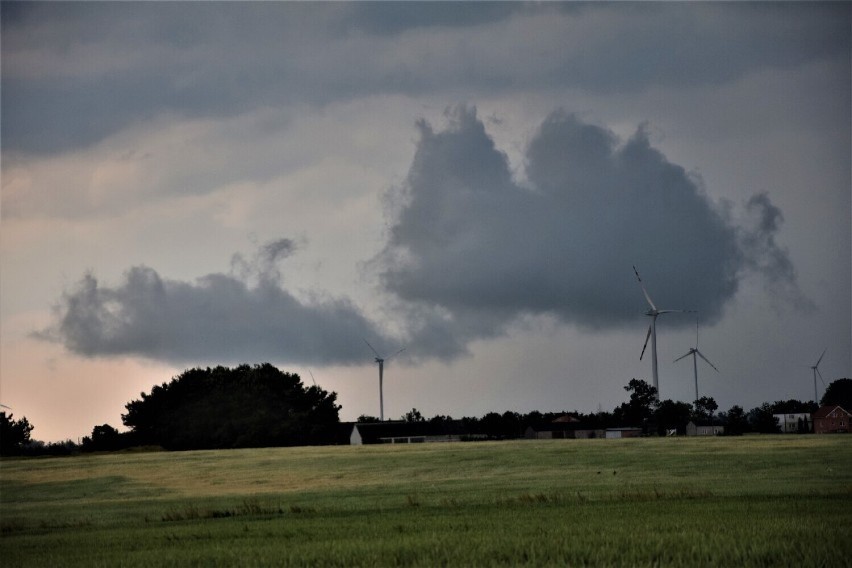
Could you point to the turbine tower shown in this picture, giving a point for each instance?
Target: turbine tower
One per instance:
(653, 313)
(694, 351)
(815, 368)
(381, 361)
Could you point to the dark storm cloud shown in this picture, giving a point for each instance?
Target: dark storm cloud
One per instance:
(762, 253)
(473, 250)
(74, 73)
(218, 318)
(395, 17)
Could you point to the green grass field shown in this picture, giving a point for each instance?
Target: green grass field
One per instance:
(751, 501)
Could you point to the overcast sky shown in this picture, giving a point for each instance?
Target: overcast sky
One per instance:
(193, 184)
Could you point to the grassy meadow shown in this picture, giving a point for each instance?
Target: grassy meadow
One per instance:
(750, 501)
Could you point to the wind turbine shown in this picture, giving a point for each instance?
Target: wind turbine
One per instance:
(815, 368)
(694, 351)
(653, 313)
(381, 361)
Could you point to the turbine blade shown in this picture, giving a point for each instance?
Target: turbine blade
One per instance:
(373, 350)
(682, 356)
(648, 336)
(395, 354)
(644, 291)
(706, 360)
(818, 374)
(820, 357)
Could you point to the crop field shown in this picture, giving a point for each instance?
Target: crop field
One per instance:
(750, 501)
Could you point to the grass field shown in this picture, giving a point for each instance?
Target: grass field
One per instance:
(751, 501)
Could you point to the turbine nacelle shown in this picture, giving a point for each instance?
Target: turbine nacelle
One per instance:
(381, 362)
(696, 353)
(653, 313)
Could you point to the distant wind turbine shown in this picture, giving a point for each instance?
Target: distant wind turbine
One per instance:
(694, 351)
(653, 313)
(815, 368)
(381, 361)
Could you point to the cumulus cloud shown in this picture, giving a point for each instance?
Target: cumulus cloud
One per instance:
(472, 250)
(245, 315)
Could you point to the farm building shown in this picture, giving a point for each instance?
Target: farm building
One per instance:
(564, 427)
(795, 422)
(628, 432)
(831, 420)
(704, 429)
(570, 427)
(404, 433)
(562, 430)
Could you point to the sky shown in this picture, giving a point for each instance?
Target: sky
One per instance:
(198, 184)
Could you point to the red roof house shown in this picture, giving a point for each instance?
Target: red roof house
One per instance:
(831, 420)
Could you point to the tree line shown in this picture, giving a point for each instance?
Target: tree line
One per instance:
(259, 406)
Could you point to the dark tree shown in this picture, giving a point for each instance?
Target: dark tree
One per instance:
(761, 419)
(105, 438)
(735, 421)
(838, 392)
(672, 415)
(500, 426)
(440, 419)
(247, 406)
(793, 406)
(639, 410)
(367, 419)
(14, 435)
(705, 408)
(413, 415)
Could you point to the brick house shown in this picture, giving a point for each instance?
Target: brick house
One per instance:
(831, 420)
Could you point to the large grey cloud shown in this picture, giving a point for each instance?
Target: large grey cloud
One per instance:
(243, 315)
(471, 249)
(73, 73)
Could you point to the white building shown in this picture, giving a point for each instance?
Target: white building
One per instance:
(795, 422)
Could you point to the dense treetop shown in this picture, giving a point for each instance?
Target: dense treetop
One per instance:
(244, 406)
